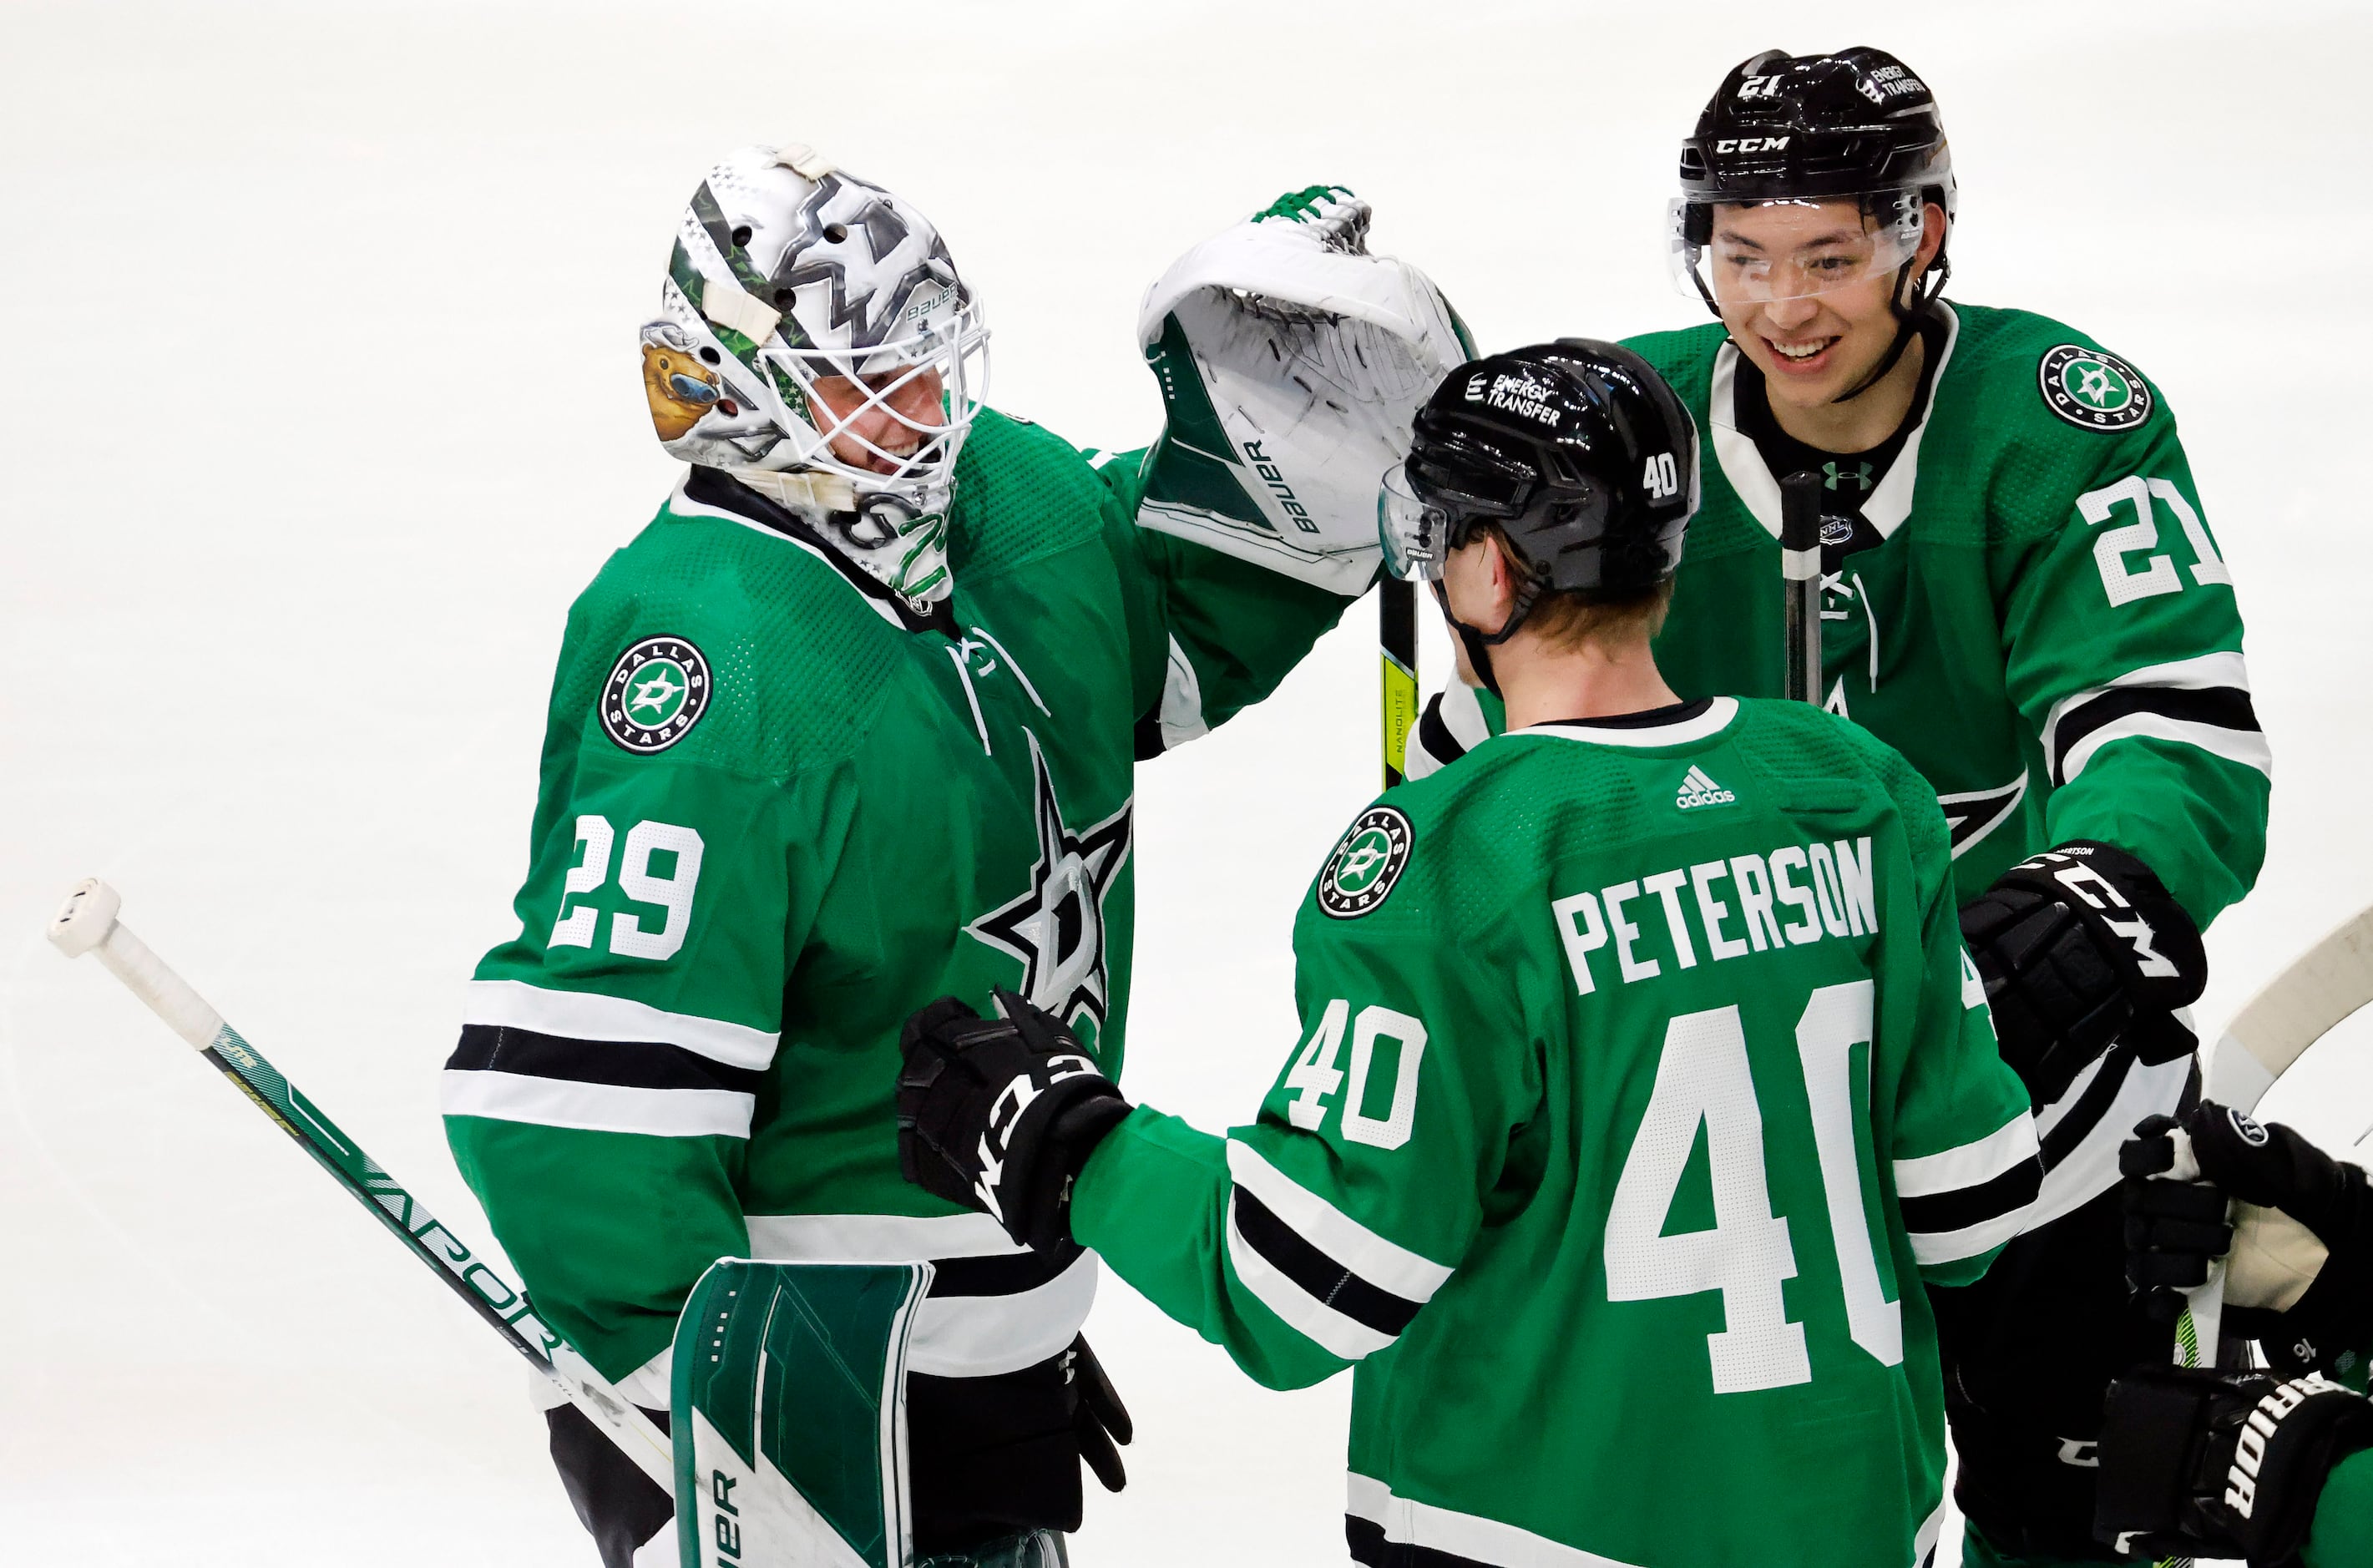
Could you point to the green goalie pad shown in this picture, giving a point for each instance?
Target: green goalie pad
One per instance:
(790, 1415)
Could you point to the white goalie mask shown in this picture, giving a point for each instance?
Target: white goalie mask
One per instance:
(816, 342)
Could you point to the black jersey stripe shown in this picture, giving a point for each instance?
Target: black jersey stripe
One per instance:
(1291, 1255)
(1435, 736)
(1369, 1547)
(1941, 1213)
(2223, 708)
(2077, 1122)
(625, 1064)
(1007, 1275)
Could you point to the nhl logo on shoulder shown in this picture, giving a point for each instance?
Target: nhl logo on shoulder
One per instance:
(1366, 865)
(2093, 389)
(658, 689)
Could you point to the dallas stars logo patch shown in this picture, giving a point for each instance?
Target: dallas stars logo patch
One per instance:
(658, 689)
(1057, 928)
(1366, 865)
(2092, 389)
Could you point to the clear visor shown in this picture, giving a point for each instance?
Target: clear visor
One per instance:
(1415, 533)
(1755, 253)
(897, 412)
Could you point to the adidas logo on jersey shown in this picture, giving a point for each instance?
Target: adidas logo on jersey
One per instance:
(1697, 789)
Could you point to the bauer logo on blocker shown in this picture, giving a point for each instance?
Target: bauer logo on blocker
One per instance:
(1366, 864)
(656, 691)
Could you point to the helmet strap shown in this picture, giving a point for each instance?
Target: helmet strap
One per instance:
(1907, 320)
(1479, 644)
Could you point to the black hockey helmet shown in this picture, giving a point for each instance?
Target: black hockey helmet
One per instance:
(1577, 451)
(1856, 126)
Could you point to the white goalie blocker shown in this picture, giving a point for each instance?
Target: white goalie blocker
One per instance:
(2274, 1257)
(1292, 364)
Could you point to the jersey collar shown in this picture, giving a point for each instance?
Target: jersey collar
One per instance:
(709, 491)
(1713, 720)
(1743, 465)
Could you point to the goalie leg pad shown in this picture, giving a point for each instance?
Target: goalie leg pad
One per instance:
(790, 1414)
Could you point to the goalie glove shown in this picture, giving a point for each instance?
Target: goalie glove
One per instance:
(1292, 363)
(2072, 945)
(2300, 1279)
(999, 1114)
(2197, 1463)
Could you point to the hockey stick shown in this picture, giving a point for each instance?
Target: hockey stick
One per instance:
(88, 924)
(1397, 637)
(2310, 997)
(1800, 574)
(2290, 1012)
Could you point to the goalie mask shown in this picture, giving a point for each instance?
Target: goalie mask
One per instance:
(816, 342)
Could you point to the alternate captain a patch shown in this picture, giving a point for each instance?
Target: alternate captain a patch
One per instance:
(2093, 389)
(1366, 865)
(658, 690)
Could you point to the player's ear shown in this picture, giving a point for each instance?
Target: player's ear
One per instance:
(1931, 238)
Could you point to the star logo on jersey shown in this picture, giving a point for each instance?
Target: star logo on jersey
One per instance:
(1366, 862)
(2092, 389)
(656, 691)
(1057, 928)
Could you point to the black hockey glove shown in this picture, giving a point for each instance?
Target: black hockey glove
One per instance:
(999, 1114)
(2176, 1225)
(1098, 1417)
(2197, 1463)
(2073, 944)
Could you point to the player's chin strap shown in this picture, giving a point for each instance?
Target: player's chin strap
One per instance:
(1907, 320)
(1478, 645)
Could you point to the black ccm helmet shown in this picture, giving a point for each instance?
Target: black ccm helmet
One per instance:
(1856, 126)
(1575, 450)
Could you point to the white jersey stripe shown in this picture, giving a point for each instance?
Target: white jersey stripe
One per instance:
(1713, 721)
(1331, 1330)
(2091, 1167)
(877, 1238)
(584, 1016)
(2247, 747)
(1971, 1165)
(599, 1107)
(1422, 1525)
(954, 1336)
(1383, 1264)
(1462, 715)
(1431, 1528)
(1949, 1247)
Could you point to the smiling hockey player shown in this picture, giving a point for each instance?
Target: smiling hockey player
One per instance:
(849, 725)
(1642, 1077)
(2021, 597)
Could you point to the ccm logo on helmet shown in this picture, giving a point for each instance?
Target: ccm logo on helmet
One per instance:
(1751, 144)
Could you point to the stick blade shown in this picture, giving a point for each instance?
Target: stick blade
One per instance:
(2292, 1011)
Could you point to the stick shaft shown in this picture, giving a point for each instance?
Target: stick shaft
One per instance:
(1396, 638)
(1800, 576)
(503, 1307)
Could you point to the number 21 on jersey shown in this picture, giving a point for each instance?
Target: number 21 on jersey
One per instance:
(1702, 1078)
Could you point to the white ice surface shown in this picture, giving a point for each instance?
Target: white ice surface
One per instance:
(327, 404)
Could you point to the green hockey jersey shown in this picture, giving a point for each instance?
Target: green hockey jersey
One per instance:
(780, 810)
(1642, 1077)
(2042, 625)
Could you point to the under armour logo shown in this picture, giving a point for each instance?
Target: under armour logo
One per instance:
(1861, 476)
